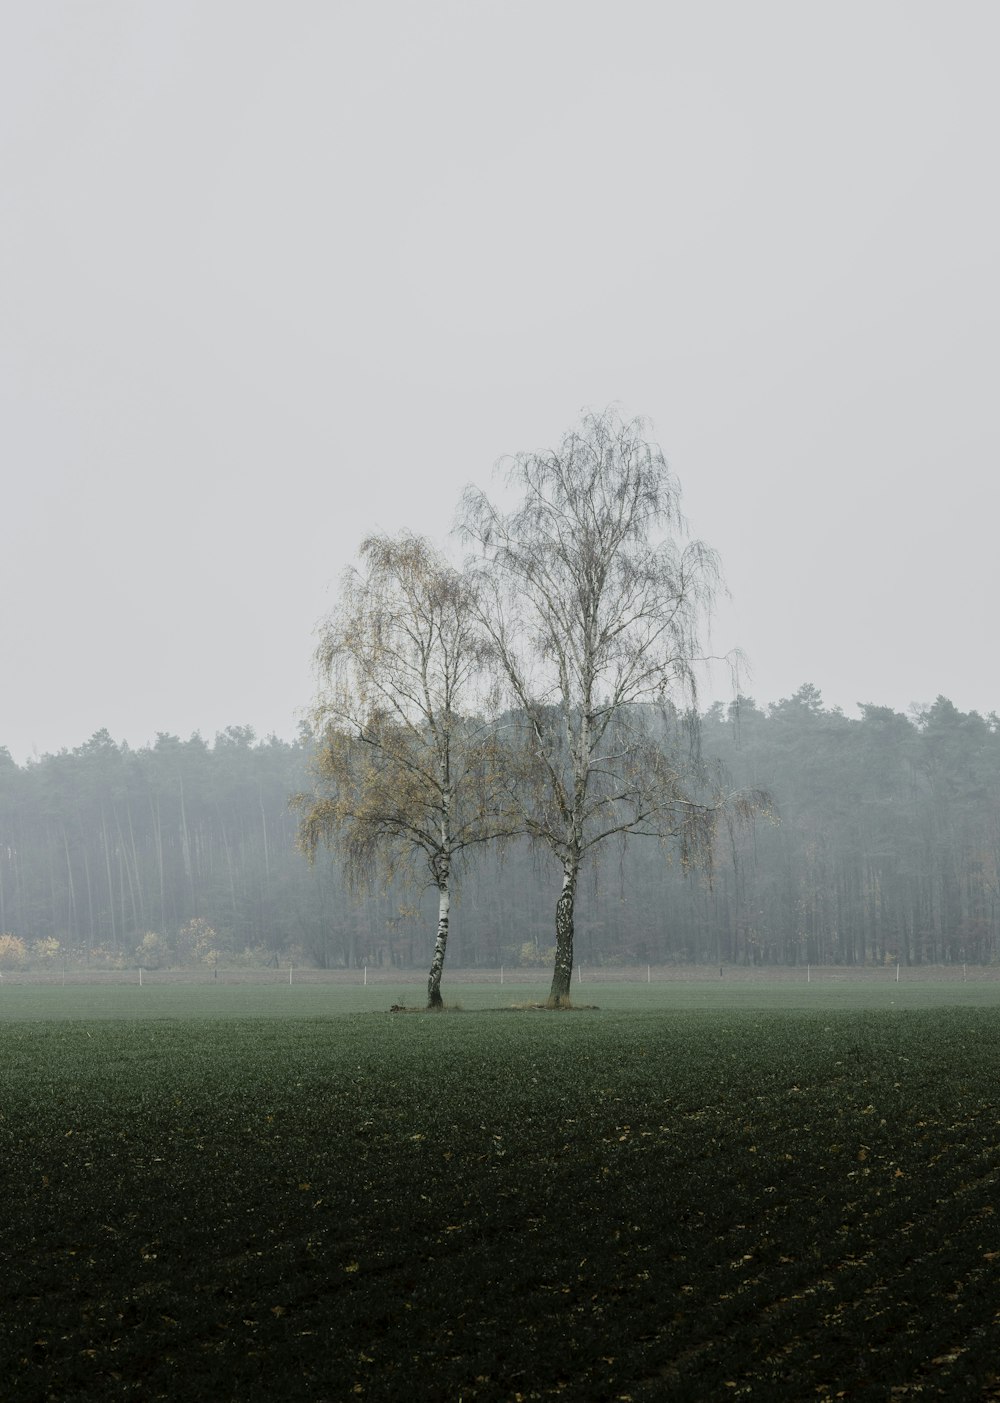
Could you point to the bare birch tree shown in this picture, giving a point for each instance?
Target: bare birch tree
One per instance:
(403, 774)
(593, 620)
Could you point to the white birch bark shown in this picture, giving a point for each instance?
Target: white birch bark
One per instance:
(434, 999)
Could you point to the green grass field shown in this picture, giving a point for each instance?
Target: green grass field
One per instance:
(692, 1192)
(129, 1001)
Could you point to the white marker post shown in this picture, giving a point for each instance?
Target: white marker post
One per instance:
(808, 974)
(649, 977)
(289, 976)
(140, 976)
(501, 974)
(366, 976)
(897, 971)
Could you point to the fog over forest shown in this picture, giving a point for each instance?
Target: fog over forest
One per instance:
(885, 846)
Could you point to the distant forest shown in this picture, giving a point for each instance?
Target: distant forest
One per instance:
(885, 846)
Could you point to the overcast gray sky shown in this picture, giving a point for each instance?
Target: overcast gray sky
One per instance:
(273, 275)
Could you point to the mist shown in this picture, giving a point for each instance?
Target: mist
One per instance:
(273, 280)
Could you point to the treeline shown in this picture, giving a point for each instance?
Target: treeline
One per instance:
(885, 845)
(888, 845)
(103, 844)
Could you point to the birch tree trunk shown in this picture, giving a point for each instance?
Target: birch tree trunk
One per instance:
(434, 999)
(562, 972)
